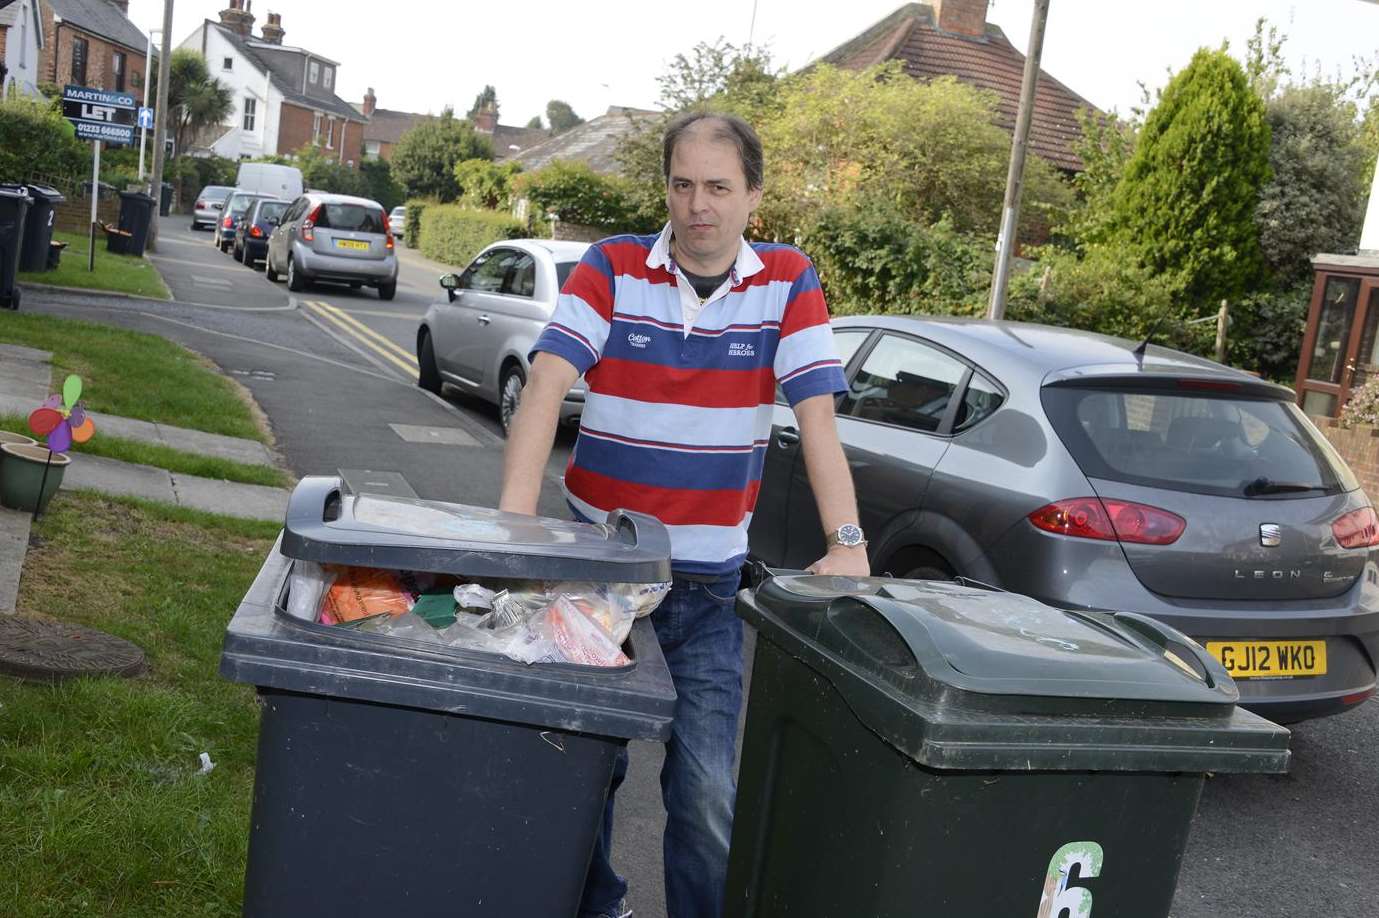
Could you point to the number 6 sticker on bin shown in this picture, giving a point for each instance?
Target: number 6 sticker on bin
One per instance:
(1059, 899)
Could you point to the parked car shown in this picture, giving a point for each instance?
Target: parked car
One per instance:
(1078, 470)
(479, 336)
(254, 228)
(397, 221)
(333, 237)
(230, 215)
(271, 179)
(209, 203)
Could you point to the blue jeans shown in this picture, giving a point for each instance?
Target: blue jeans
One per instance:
(701, 637)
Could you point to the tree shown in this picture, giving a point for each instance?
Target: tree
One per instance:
(196, 100)
(740, 79)
(1315, 200)
(326, 173)
(561, 116)
(535, 123)
(425, 158)
(1186, 201)
(381, 186)
(1105, 147)
(486, 184)
(488, 98)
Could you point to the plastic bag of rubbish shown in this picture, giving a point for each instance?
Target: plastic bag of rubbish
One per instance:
(517, 642)
(613, 606)
(407, 625)
(308, 584)
(473, 596)
(578, 637)
(360, 592)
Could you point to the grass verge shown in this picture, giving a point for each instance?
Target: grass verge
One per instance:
(165, 457)
(102, 810)
(134, 374)
(114, 273)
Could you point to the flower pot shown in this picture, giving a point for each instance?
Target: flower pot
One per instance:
(18, 439)
(21, 474)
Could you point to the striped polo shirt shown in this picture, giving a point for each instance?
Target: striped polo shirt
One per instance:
(676, 424)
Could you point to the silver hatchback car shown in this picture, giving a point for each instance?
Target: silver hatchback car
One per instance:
(479, 336)
(209, 203)
(1081, 471)
(333, 237)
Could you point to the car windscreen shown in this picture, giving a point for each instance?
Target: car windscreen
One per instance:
(563, 270)
(270, 209)
(356, 217)
(1193, 441)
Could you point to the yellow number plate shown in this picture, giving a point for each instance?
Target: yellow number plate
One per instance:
(351, 244)
(1270, 659)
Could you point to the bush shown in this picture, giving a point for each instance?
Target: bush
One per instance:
(382, 187)
(453, 235)
(486, 184)
(1265, 332)
(37, 142)
(411, 226)
(1362, 408)
(578, 194)
(425, 158)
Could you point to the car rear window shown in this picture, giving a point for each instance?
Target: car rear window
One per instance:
(1207, 444)
(215, 193)
(271, 209)
(563, 270)
(356, 217)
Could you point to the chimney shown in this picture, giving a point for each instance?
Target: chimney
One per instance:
(486, 119)
(122, 6)
(238, 18)
(273, 30)
(961, 17)
(370, 101)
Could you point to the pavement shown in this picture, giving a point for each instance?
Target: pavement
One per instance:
(26, 379)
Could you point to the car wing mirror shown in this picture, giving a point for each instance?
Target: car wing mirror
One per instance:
(450, 283)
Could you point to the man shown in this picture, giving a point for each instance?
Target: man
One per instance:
(682, 339)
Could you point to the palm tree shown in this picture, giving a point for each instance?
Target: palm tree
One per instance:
(196, 100)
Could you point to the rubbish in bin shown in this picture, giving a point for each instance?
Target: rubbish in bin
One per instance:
(359, 592)
(473, 596)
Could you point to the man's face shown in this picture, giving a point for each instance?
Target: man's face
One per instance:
(708, 200)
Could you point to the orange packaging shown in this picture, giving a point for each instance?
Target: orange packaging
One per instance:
(359, 592)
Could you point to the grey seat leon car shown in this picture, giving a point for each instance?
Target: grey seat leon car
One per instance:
(333, 237)
(1075, 469)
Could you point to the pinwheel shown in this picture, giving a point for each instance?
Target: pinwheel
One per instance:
(62, 419)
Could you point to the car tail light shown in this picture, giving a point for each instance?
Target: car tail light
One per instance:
(255, 231)
(200, 205)
(1357, 529)
(309, 225)
(1109, 520)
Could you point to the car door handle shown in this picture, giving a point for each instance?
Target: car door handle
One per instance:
(483, 320)
(787, 436)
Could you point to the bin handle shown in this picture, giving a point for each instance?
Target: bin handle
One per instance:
(1171, 640)
(638, 530)
(915, 635)
(315, 500)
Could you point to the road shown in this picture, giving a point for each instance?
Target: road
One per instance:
(335, 373)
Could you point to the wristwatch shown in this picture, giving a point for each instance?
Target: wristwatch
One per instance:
(848, 535)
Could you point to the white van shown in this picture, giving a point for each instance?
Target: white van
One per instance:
(269, 178)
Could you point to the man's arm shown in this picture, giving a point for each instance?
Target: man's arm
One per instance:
(831, 480)
(533, 431)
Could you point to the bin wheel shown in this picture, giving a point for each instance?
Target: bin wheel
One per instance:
(428, 376)
(14, 299)
(295, 281)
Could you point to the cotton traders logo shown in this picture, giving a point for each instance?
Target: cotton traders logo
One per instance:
(638, 340)
(741, 349)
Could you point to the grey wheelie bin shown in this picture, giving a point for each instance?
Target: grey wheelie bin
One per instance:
(14, 207)
(136, 214)
(926, 748)
(401, 778)
(38, 225)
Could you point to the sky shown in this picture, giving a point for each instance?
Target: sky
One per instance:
(422, 55)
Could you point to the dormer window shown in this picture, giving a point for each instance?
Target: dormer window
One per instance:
(313, 72)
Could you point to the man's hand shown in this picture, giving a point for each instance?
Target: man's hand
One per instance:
(843, 561)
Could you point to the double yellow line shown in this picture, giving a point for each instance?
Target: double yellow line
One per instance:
(390, 351)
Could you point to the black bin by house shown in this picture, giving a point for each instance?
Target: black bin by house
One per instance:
(917, 748)
(136, 214)
(14, 209)
(165, 200)
(38, 225)
(401, 778)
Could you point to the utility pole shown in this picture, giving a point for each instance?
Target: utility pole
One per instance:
(160, 123)
(143, 131)
(1015, 178)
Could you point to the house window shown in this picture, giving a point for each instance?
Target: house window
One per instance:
(316, 128)
(314, 72)
(330, 134)
(250, 108)
(79, 55)
(117, 69)
(372, 148)
(228, 64)
(328, 78)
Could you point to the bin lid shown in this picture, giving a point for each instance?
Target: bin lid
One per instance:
(327, 523)
(15, 191)
(45, 193)
(960, 676)
(267, 647)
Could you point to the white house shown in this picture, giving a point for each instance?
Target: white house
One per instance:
(284, 96)
(21, 40)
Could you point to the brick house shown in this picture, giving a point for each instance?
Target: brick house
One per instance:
(385, 128)
(953, 38)
(284, 96)
(92, 43)
(21, 45)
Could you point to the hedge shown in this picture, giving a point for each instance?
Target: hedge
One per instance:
(453, 235)
(411, 226)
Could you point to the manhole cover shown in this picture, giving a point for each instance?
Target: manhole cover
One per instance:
(43, 650)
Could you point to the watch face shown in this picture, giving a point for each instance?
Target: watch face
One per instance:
(849, 535)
